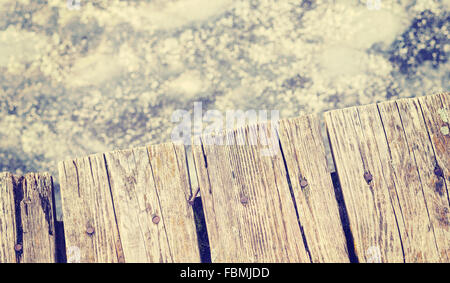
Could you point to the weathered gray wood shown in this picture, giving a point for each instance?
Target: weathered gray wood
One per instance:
(89, 222)
(27, 218)
(171, 177)
(404, 208)
(304, 153)
(37, 218)
(436, 112)
(415, 228)
(434, 188)
(359, 148)
(248, 207)
(136, 203)
(140, 206)
(7, 219)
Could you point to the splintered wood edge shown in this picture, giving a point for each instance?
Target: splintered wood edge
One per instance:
(31, 199)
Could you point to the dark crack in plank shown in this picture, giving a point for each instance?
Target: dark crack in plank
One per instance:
(361, 157)
(27, 219)
(304, 152)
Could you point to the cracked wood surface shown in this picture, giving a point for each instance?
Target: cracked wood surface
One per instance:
(246, 198)
(27, 229)
(304, 153)
(398, 215)
(135, 203)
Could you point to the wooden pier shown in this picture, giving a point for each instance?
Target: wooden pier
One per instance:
(270, 199)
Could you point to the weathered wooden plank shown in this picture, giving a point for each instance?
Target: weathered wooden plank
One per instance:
(248, 207)
(171, 176)
(7, 219)
(434, 188)
(391, 142)
(89, 222)
(27, 230)
(136, 204)
(313, 189)
(360, 152)
(436, 112)
(419, 243)
(154, 192)
(38, 218)
(145, 215)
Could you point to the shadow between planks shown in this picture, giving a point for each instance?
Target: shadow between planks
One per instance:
(271, 199)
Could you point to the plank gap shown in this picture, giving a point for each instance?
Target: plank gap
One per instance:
(305, 242)
(344, 218)
(61, 256)
(202, 231)
(343, 212)
(197, 207)
(18, 197)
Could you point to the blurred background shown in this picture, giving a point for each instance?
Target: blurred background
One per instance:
(81, 77)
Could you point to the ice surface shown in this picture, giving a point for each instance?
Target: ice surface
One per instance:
(109, 74)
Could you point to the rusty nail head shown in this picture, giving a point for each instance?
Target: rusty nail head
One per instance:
(303, 183)
(244, 200)
(368, 177)
(155, 219)
(18, 247)
(90, 230)
(438, 171)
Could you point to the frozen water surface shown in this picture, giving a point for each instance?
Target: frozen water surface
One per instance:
(76, 80)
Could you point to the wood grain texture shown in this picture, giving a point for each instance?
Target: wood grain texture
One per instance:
(140, 200)
(248, 207)
(171, 177)
(415, 227)
(27, 229)
(86, 203)
(135, 203)
(433, 185)
(358, 146)
(7, 219)
(318, 210)
(38, 218)
(436, 113)
(403, 210)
